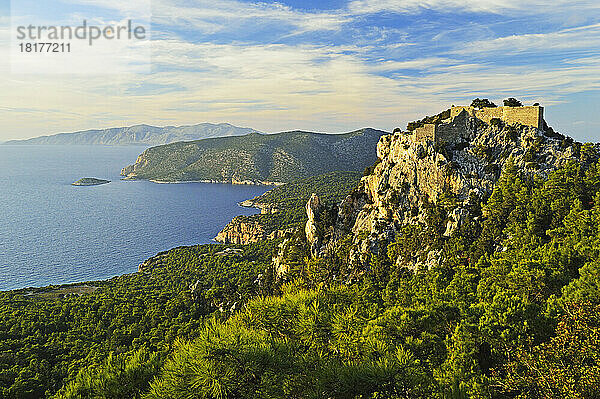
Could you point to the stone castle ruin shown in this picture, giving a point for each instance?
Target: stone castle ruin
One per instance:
(449, 130)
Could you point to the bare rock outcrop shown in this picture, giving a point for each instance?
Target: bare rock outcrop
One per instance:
(320, 226)
(414, 173)
(281, 260)
(312, 230)
(241, 230)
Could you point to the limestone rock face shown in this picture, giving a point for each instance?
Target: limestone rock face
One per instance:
(195, 290)
(246, 230)
(276, 234)
(241, 231)
(313, 210)
(413, 174)
(456, 218)
(320, 226)
(279, 260)
(130, 171)
(154, 262)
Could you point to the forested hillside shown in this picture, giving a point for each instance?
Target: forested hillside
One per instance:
(511, 312)
(256, 158)
(47, 335)
(331, 187)
(464, 270)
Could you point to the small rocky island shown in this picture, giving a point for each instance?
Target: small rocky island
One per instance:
(89, 181)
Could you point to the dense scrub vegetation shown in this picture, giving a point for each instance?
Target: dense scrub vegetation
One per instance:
(482, 103)
(47, 338)
(509, 310)
(436, 119)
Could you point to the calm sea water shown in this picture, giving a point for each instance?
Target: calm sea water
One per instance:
(52, 232)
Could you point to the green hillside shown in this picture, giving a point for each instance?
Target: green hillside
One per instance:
(505, 306)
(48, 334)
(288, 201)
(282, 157)
(519, 322)
(330, 187)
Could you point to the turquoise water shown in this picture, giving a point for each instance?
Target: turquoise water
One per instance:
(52, 232)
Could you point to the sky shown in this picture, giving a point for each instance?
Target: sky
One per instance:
(328, 66)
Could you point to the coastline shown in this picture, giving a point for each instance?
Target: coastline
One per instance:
(249, 203)
(235, 182)
(61, 185)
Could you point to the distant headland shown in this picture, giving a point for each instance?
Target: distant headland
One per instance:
(138, 135)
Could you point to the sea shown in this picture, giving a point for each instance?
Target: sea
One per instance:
(54, 233)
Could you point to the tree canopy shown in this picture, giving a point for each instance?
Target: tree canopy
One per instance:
(482, 103)
(512, 102)
(509, 311)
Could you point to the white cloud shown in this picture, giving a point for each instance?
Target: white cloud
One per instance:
(419, 63)
(580, 38)
(488, 6)
(275, 87)
(211, 16)
(141, 9)
(281, 87)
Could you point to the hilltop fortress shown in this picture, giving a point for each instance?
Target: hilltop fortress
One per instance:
(449, 130)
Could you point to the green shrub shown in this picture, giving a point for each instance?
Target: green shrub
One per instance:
(482, 103)
(119, 376)
(512, 102)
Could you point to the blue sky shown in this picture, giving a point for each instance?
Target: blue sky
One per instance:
(320, 65)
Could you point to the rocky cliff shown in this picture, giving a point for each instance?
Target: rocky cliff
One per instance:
(414, 174)
(283, 208)
(242, 230)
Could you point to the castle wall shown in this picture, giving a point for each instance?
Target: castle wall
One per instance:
(487, 114)
(427, 132)
(443, 133)
(528, 115)
(452, 132)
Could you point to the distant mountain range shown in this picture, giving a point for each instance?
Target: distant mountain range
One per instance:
(140, 134)
(257, 158)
